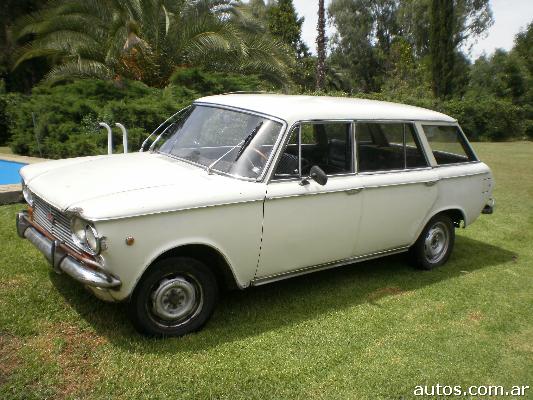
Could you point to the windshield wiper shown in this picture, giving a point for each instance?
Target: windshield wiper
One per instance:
(248, 140)
(243, 143)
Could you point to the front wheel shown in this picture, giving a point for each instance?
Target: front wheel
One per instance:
(176, 296)
(435, 244)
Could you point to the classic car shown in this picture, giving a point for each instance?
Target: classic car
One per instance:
(241, 190)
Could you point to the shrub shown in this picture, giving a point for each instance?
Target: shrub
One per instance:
(67, 116)
(488, 118)
(199, 81)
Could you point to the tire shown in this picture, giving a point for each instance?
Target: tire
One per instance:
(435, 244)
(176, 296)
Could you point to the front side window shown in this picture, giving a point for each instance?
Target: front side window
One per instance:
(448, 144)
(388, 146)
(327, 145)
(222, 140)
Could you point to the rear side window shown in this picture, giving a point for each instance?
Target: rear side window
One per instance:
(388, 146)
(448, 144)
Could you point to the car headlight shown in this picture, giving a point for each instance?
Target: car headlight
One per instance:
(86, 236)
(77, 226)
(91, 239)
(26, 192)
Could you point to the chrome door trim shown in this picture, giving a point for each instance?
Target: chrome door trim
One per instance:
(323, 266)
(287, 196)
(355, 190)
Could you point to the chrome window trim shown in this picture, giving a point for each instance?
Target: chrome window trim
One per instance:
(418, 134)
(275, 147)
(394, 171)
(458, 164)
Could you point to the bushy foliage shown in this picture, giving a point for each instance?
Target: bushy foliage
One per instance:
(197, 80)
(482, 118)
(488, 119)
(67, 116)
(3, 117)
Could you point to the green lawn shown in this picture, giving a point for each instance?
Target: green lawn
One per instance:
(365, 331)
(5, 150)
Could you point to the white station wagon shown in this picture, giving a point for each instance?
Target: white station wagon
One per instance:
(240, 190)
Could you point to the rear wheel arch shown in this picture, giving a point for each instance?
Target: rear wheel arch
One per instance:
(456, 215)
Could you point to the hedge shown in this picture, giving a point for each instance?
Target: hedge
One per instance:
(67, 115)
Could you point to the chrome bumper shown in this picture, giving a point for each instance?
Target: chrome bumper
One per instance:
(63, 262)
(489, 207)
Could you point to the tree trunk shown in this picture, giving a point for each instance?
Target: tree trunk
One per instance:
(321, 47)
(442, 48)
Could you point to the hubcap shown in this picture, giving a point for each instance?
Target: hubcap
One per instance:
(174, 299)
(436, 242)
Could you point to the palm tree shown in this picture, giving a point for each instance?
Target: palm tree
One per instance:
(321, 47)
(147, 40)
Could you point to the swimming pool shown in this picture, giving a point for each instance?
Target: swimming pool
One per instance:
(9, 172)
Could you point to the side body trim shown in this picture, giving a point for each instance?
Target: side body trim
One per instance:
(328, 265)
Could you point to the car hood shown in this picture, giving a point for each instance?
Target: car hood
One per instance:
(123, 185)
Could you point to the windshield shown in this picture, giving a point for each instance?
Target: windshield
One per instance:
(223, 140)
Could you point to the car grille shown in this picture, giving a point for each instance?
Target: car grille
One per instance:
(53, 221)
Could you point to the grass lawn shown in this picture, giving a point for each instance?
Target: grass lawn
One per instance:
(5, 150)
(365, 331)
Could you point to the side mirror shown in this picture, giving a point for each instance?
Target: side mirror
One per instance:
(318, 175)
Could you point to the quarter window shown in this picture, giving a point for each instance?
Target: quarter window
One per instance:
(388, 146)
(327, 145)
(448, 144)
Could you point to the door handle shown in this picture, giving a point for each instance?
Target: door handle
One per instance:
(353, 191)
(431, 183)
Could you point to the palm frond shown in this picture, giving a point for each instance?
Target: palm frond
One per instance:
(78, 69)
(88, 37)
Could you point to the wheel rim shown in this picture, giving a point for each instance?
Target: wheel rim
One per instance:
(175, 299)
(436, 242)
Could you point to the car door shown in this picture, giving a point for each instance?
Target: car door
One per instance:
(306, 224)
(400, 187)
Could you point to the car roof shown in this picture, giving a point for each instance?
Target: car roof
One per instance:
(293, 108)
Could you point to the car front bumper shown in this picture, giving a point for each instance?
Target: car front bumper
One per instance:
(63, 260)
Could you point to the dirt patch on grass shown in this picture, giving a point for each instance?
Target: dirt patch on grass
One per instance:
(523, 341)
(475, 316)
(73, 351)
(13, 283)
(384, 292)
(9, 358)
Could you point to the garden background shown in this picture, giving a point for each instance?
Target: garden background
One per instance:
(66, 65)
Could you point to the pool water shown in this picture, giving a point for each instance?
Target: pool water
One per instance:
(9, 172)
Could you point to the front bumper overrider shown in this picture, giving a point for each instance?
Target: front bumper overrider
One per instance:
(63, 260)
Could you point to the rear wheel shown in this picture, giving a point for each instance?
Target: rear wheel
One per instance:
(435, 244)
(176, 296)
